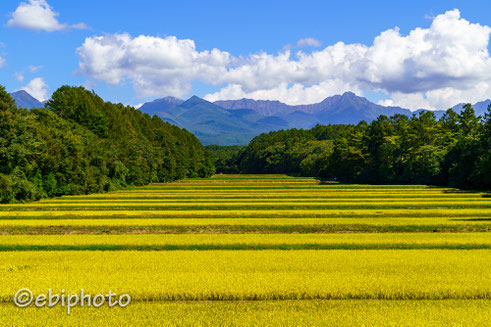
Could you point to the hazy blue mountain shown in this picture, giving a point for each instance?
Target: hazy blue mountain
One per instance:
(300, 119)
(346, 108)
(160, 105)
(264, 107)
(213, 124)
(238, 121)
(480, 108)
(339, 109)
(350, 109)
(25, 100)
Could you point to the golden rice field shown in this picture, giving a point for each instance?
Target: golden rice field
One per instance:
(254, 250)
(432, 313)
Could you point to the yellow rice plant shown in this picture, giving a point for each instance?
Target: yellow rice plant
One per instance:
(254, 275)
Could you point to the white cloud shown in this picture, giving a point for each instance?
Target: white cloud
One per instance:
(33, 68)
(38, 15)
(442, 98)
(80, 26)
(19, 76)
(308, 42)
(37, 88)
(431, 67)
(156, 66)
(386, 102)
(412, 100)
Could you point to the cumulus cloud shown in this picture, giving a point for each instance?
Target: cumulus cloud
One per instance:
(432, 67)
(445, 98)
(411, 100)
(155, 65)
(38, 15)
(37, 88)
(308, 42)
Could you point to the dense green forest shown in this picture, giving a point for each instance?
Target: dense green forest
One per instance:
(79, 144)
(225, 157)
(453, 151)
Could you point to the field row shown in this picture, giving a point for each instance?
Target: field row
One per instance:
(253, 275)
(274, 187)
(246, 206)
(252, 223)
(210, 200)
(483, 214)
(245, 241)
(238, 177)
(377, 313)
(259, 197)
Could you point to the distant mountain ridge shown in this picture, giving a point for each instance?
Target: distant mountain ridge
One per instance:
(479, 107)
(157, 106)
(25, 100)
(234, 122)
(213, 124)
(334, 103)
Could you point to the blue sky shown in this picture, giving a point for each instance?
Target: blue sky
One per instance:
(251, 39)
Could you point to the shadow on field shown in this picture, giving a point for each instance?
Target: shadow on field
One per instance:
(471, 219)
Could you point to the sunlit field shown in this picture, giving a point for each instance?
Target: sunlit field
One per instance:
(241, 250)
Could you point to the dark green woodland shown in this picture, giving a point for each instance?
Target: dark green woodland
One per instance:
(80, 144)
(452, 151)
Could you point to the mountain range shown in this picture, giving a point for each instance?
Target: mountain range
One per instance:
(236, 122)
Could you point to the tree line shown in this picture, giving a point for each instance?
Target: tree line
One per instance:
(225, 157)
(80, 144)
(452, 151)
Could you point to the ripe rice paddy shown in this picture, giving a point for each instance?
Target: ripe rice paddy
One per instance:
(255, 250)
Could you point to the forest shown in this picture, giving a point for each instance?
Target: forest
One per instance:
(452, 151)
(80, 144)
